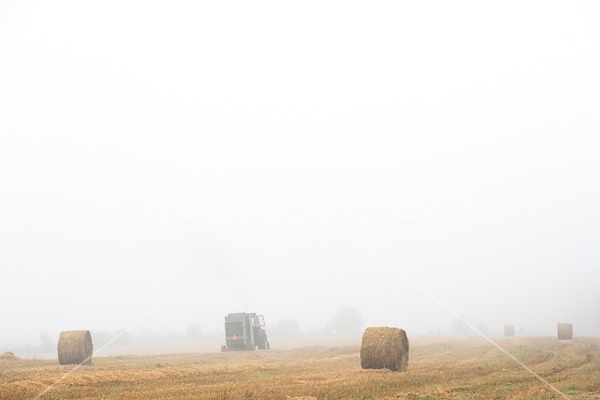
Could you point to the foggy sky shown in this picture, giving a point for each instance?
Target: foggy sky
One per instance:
(141, 142)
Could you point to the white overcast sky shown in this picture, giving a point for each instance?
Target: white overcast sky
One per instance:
(140, 142)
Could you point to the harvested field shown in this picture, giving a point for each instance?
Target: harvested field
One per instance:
(439, 369)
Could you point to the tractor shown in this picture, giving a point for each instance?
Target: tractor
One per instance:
(244, 332)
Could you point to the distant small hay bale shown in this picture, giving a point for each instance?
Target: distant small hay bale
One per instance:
(384, 347)
(75, 347)
(509, 330)
(9, 356)
(565, 331)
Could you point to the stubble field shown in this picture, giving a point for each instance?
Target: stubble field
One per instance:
(438, 369)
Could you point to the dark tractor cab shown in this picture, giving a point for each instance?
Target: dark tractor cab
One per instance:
(243, 331)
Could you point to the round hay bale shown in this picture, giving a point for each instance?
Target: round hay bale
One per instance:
(565, 331)
(384, 347)
(75, 347)
(509, 330)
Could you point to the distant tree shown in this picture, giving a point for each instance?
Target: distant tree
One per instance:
(347, 322)
(319, 332)
(119, 338)
(483, 328)
(193, 331)
(46, 342)
(285, 328)
(122, 338)
(101, 338)
(459, 327)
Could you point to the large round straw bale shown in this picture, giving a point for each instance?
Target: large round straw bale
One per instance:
(565, 331)
(384, 347)
(509, 330)
(75, 347)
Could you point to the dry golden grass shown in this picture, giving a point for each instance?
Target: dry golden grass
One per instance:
(438, 369)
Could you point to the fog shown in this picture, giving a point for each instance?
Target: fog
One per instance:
(164, 164)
